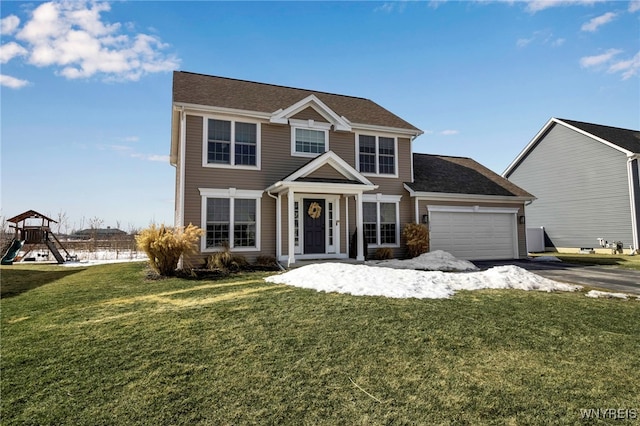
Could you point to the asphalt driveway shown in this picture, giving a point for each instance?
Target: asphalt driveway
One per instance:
(604, 278)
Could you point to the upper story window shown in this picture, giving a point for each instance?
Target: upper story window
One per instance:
(231, 143)
(377, 155)
(309, 138)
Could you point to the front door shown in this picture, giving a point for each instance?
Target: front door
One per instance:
(314, 229)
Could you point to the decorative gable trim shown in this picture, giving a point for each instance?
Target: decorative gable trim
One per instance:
(282, 116)
(355, 183)
(332, 159)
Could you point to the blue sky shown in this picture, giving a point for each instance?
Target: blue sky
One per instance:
(86, 86)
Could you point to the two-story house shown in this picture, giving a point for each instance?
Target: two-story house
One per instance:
(586, 177)
(293, 173)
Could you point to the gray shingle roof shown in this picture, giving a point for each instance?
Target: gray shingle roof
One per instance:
(624, 138)
(459, 175)
(224, 92)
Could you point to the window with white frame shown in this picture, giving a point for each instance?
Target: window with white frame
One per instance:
(377, 155)
(380, 220)
(231, 218)
(231, 143)
(309, 138)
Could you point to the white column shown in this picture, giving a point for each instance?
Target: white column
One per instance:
(346, 226)
(290, 229)
(360, 231)
(279, 227)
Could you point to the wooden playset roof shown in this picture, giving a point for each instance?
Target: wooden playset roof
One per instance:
(31, 214)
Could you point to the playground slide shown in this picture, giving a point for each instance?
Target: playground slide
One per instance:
(13, 251)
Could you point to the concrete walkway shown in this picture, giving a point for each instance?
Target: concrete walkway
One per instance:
(605, 278)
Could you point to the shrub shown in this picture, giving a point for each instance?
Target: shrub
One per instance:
(266, 261)
(165, 245)
(383, 253)
(226, 261)
(417, 239)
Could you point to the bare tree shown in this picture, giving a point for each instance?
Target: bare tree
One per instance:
(95, 222)
(63, 223)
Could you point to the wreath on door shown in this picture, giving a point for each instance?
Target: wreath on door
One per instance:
(314, 210)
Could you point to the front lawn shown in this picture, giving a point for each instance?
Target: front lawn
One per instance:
(102, 345)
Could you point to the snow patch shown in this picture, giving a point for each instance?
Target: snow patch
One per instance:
(607, 295)
(545, 259)
(363, 280)
(437, 260)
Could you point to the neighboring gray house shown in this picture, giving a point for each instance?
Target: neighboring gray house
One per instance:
(585, 178)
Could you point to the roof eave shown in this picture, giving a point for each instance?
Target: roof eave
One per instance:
(449, 196)
(320, 187)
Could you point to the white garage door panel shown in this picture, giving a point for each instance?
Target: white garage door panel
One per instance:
(474, 236)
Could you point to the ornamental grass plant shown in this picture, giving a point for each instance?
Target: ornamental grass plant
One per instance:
(165, 245)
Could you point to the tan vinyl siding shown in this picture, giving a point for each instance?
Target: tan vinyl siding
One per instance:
(327, 172)
(309, 114)
(276, 164)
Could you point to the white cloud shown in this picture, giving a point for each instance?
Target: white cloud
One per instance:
(534, 6)
(12, 82)
(634, 6)
(72, 37)
(449, 132)
(151, 157)
(392, 6)
(598, 21)
(130, 139)
(10, 50)
(524, 42)
(596, 60)
(9, 24)
(543, 37)
(628, 68)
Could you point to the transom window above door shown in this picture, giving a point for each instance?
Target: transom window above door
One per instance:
(229, 143)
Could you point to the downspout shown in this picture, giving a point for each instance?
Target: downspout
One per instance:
(278, 235)
(181, 160)
(633, 197)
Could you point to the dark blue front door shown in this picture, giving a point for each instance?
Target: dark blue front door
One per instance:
(314, 235)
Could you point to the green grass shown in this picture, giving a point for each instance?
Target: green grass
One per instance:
(617, 260)
(102, 345)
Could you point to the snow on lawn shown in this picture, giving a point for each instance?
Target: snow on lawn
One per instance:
(433, 261)
(545, 259)
(101, 257)
(363, 280)
(608, 295)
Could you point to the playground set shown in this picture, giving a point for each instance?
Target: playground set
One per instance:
(29, 237)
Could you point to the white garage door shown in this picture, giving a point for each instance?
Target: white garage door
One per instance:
(474, 234)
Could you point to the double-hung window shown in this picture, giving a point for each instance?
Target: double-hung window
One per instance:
(377, 155)
(309, 138)
(231, 218)
(380, 220)
(231, 143)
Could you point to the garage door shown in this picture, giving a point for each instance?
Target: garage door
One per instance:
(474, 234)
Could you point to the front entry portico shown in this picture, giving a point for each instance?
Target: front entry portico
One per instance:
(313, 214)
